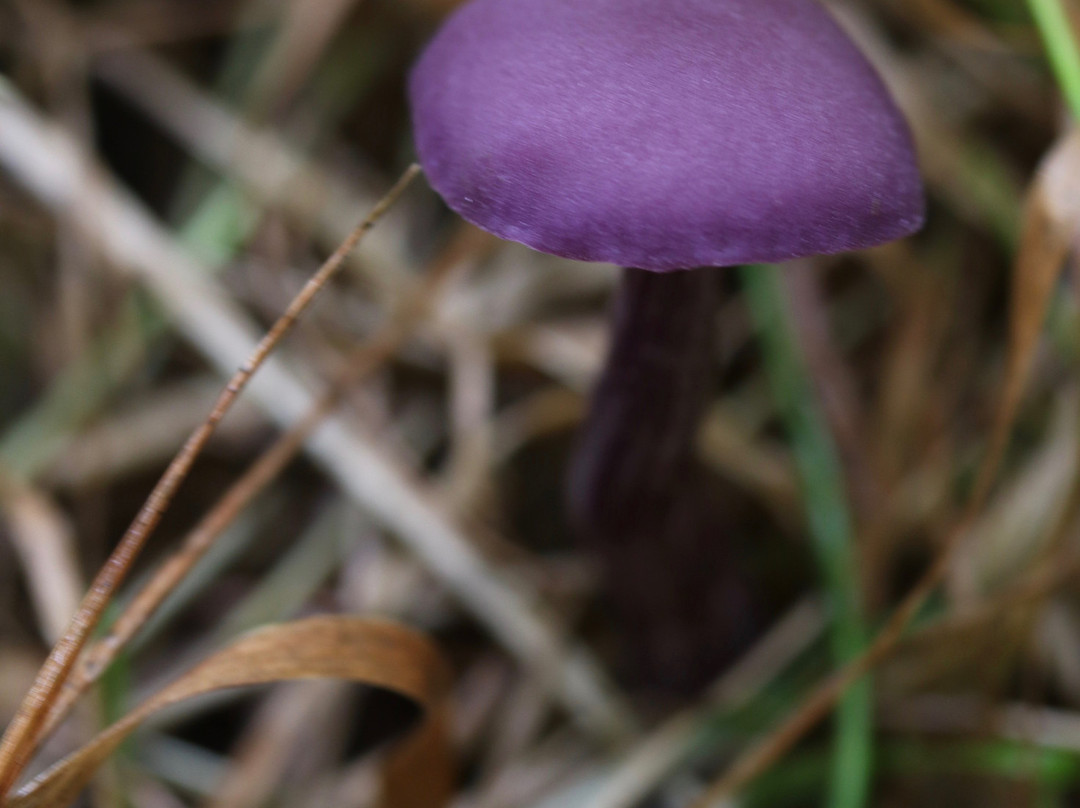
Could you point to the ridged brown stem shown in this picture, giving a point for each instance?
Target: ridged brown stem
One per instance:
(640, 498)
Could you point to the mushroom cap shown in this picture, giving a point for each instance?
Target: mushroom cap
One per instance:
(663, 134)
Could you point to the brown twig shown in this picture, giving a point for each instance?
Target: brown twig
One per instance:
(19, 741)
(364, 360)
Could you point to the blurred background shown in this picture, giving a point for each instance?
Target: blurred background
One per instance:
(171, 171)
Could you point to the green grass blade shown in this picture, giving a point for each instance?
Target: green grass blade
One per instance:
(829, 523)
(1057, 33)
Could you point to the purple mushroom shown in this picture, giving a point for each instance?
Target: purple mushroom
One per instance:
(662, 135)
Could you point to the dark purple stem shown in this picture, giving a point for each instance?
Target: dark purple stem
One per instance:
(638, 494)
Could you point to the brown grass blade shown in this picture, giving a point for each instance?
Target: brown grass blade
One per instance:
(1051, 223)
(45, 543)
(378, 653)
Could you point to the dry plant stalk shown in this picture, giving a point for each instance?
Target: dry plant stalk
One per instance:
(364, 360)
(19, 741)
(45, 542)
(1050, 572)
(1049, 231)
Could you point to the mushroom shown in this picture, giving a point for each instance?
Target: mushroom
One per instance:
(663, 136)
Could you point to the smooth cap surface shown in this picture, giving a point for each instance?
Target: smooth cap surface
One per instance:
(663, 134)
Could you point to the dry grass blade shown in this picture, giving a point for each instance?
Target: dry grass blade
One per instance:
(44, 541)
(372, 652)
(19, 741)
(1050, 227)
(363, 361)
(836, 388)
(305, 33)
(1051, 222)
(256, 157)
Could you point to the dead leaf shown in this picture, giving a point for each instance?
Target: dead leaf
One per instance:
(372, 652)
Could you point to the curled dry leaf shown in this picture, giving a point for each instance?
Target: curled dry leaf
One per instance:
(372, 652)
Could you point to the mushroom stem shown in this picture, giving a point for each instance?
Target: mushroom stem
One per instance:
(652, 393)
(641, 499)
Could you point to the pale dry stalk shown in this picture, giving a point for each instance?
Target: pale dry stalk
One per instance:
(44, 541)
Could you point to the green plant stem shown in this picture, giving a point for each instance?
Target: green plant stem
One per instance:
(829, 523)
(1057, 33)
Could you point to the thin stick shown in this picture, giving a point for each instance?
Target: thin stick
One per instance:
(364, 360)
(18, 743)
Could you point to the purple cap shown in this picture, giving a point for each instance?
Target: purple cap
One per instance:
(663, 134)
